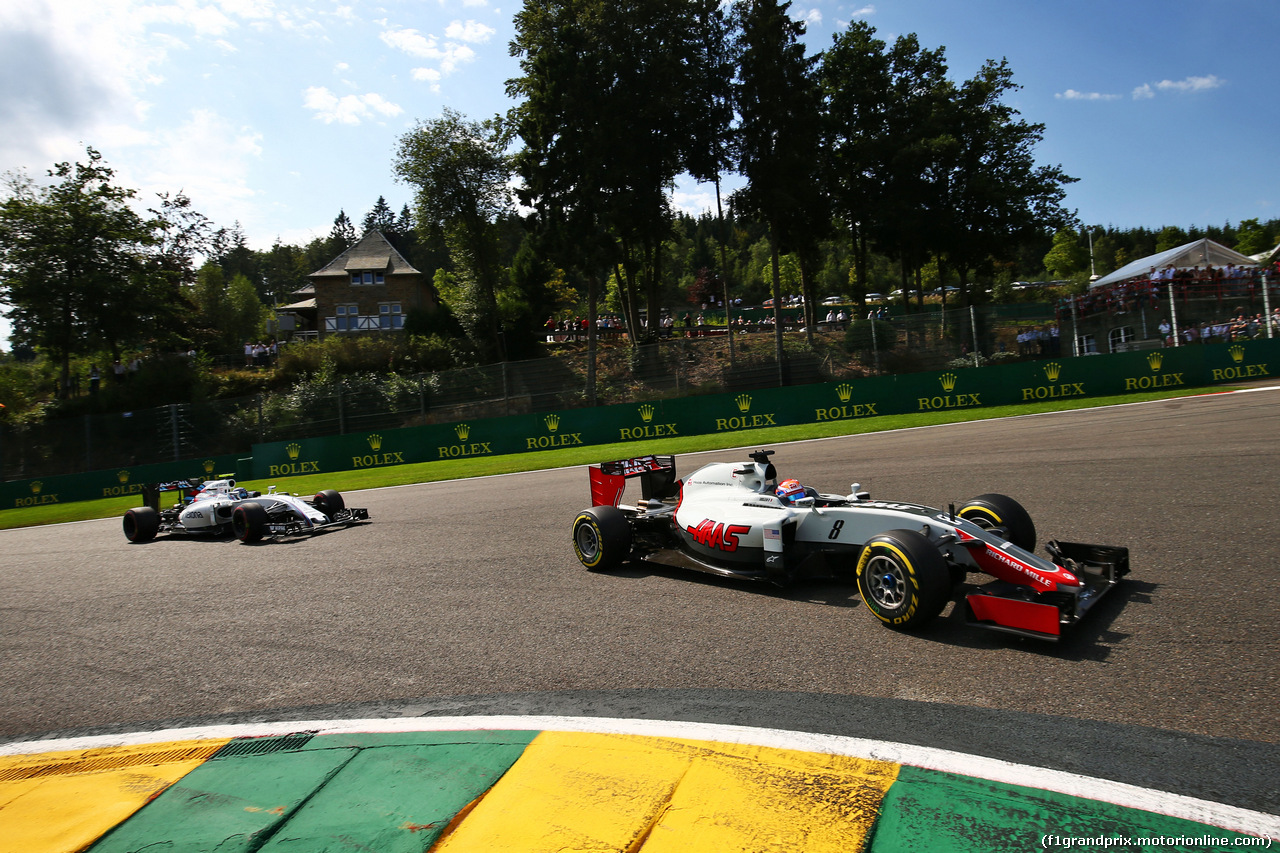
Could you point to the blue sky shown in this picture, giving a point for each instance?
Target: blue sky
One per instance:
(277, 114)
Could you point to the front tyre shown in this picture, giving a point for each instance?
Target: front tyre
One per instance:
(329, 502)
(1002, 511)
(601, 537)
(249, 521)
(903, 579)
(141, 524)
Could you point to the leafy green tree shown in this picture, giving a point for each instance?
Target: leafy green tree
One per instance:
(73, 263)
(1252, 238)
(460, 171)
(777, 99)
(854, 79)
(1067, 257)
(993, 194)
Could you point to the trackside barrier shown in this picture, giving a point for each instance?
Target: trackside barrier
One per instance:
(1022, 382)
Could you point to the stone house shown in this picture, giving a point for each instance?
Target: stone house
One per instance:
(368, 288)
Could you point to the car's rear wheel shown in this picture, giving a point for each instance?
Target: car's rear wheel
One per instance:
(992, 510)
(141, 524)
(903, 579)
(249, 521)
(329, 502)
(601, 537)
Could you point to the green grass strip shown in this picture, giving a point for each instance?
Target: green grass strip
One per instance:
(455, 469)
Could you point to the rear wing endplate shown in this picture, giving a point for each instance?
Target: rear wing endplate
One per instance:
(609, 479)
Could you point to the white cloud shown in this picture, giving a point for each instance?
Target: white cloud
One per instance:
(1073, 95)
(348, 109)
(1190, 85)
(449, 55)
(208, 159)
(472, 31)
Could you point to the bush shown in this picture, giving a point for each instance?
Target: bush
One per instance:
(860, 336)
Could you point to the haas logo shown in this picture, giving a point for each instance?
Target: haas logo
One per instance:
(717, 534)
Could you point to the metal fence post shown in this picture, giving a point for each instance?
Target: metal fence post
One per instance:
(342, 419)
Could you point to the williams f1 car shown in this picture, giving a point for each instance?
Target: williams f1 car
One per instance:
(220, 507)
(907, 560)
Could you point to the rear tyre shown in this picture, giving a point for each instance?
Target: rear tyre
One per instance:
(1002, 511)
(329, 502)
(903, 579)
(141, 524)
(601, 537)
(249, 521)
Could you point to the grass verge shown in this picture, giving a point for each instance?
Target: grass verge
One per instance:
(454, 469)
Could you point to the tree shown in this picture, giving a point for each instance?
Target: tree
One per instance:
(1252, 238)
(777, 98)
(73, 265)
(854, 77)
(993, 195)
(1066, 258)
(380, 218)
(342, 236)
(460, 171)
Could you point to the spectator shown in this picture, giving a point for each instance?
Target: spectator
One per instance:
(94, 378)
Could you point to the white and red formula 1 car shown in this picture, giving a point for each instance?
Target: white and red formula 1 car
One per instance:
(908, 560)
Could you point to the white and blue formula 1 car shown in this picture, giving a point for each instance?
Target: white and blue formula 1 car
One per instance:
(908, 560)
(220, 507)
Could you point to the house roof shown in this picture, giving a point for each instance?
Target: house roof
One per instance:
(372, 252)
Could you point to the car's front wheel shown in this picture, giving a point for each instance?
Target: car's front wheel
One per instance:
(903, 579)
(601, 537)
(141, 524)
(329, 502)
(992, 510)
(249, 521)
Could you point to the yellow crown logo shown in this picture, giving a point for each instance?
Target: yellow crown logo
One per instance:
(1237, 353)
(36, 487)
(948, 381)
(844, 391)
(375, 442)
(744, 402)
(208, 467)
(122, 476)
(646, 412)
(1155, 360)
(1052, 371)
(462, 431)
(293, 449)
(553, 422)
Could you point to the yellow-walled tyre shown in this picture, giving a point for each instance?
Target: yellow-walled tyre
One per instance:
(903, 579)
(601, 537)
(988, 511)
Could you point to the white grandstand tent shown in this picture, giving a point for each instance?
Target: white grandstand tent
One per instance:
(1201, 253)
(1264, 257)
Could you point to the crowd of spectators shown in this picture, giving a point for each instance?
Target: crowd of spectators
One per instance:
(1241, 327)
(1146, 291)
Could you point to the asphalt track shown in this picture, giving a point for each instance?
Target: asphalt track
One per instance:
(464, 598)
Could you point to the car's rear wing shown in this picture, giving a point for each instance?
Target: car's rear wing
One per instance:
(657, 479)
(186, 488)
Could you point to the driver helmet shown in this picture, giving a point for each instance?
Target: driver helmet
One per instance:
(240, 493)
(789, 490)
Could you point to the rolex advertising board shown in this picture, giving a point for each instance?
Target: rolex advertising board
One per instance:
(113, 483)
(955, 390)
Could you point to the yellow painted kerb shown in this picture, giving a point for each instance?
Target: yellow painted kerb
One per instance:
(53, 802)
(654, 795)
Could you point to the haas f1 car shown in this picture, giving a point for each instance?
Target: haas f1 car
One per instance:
(908, 560)
(219, 507)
